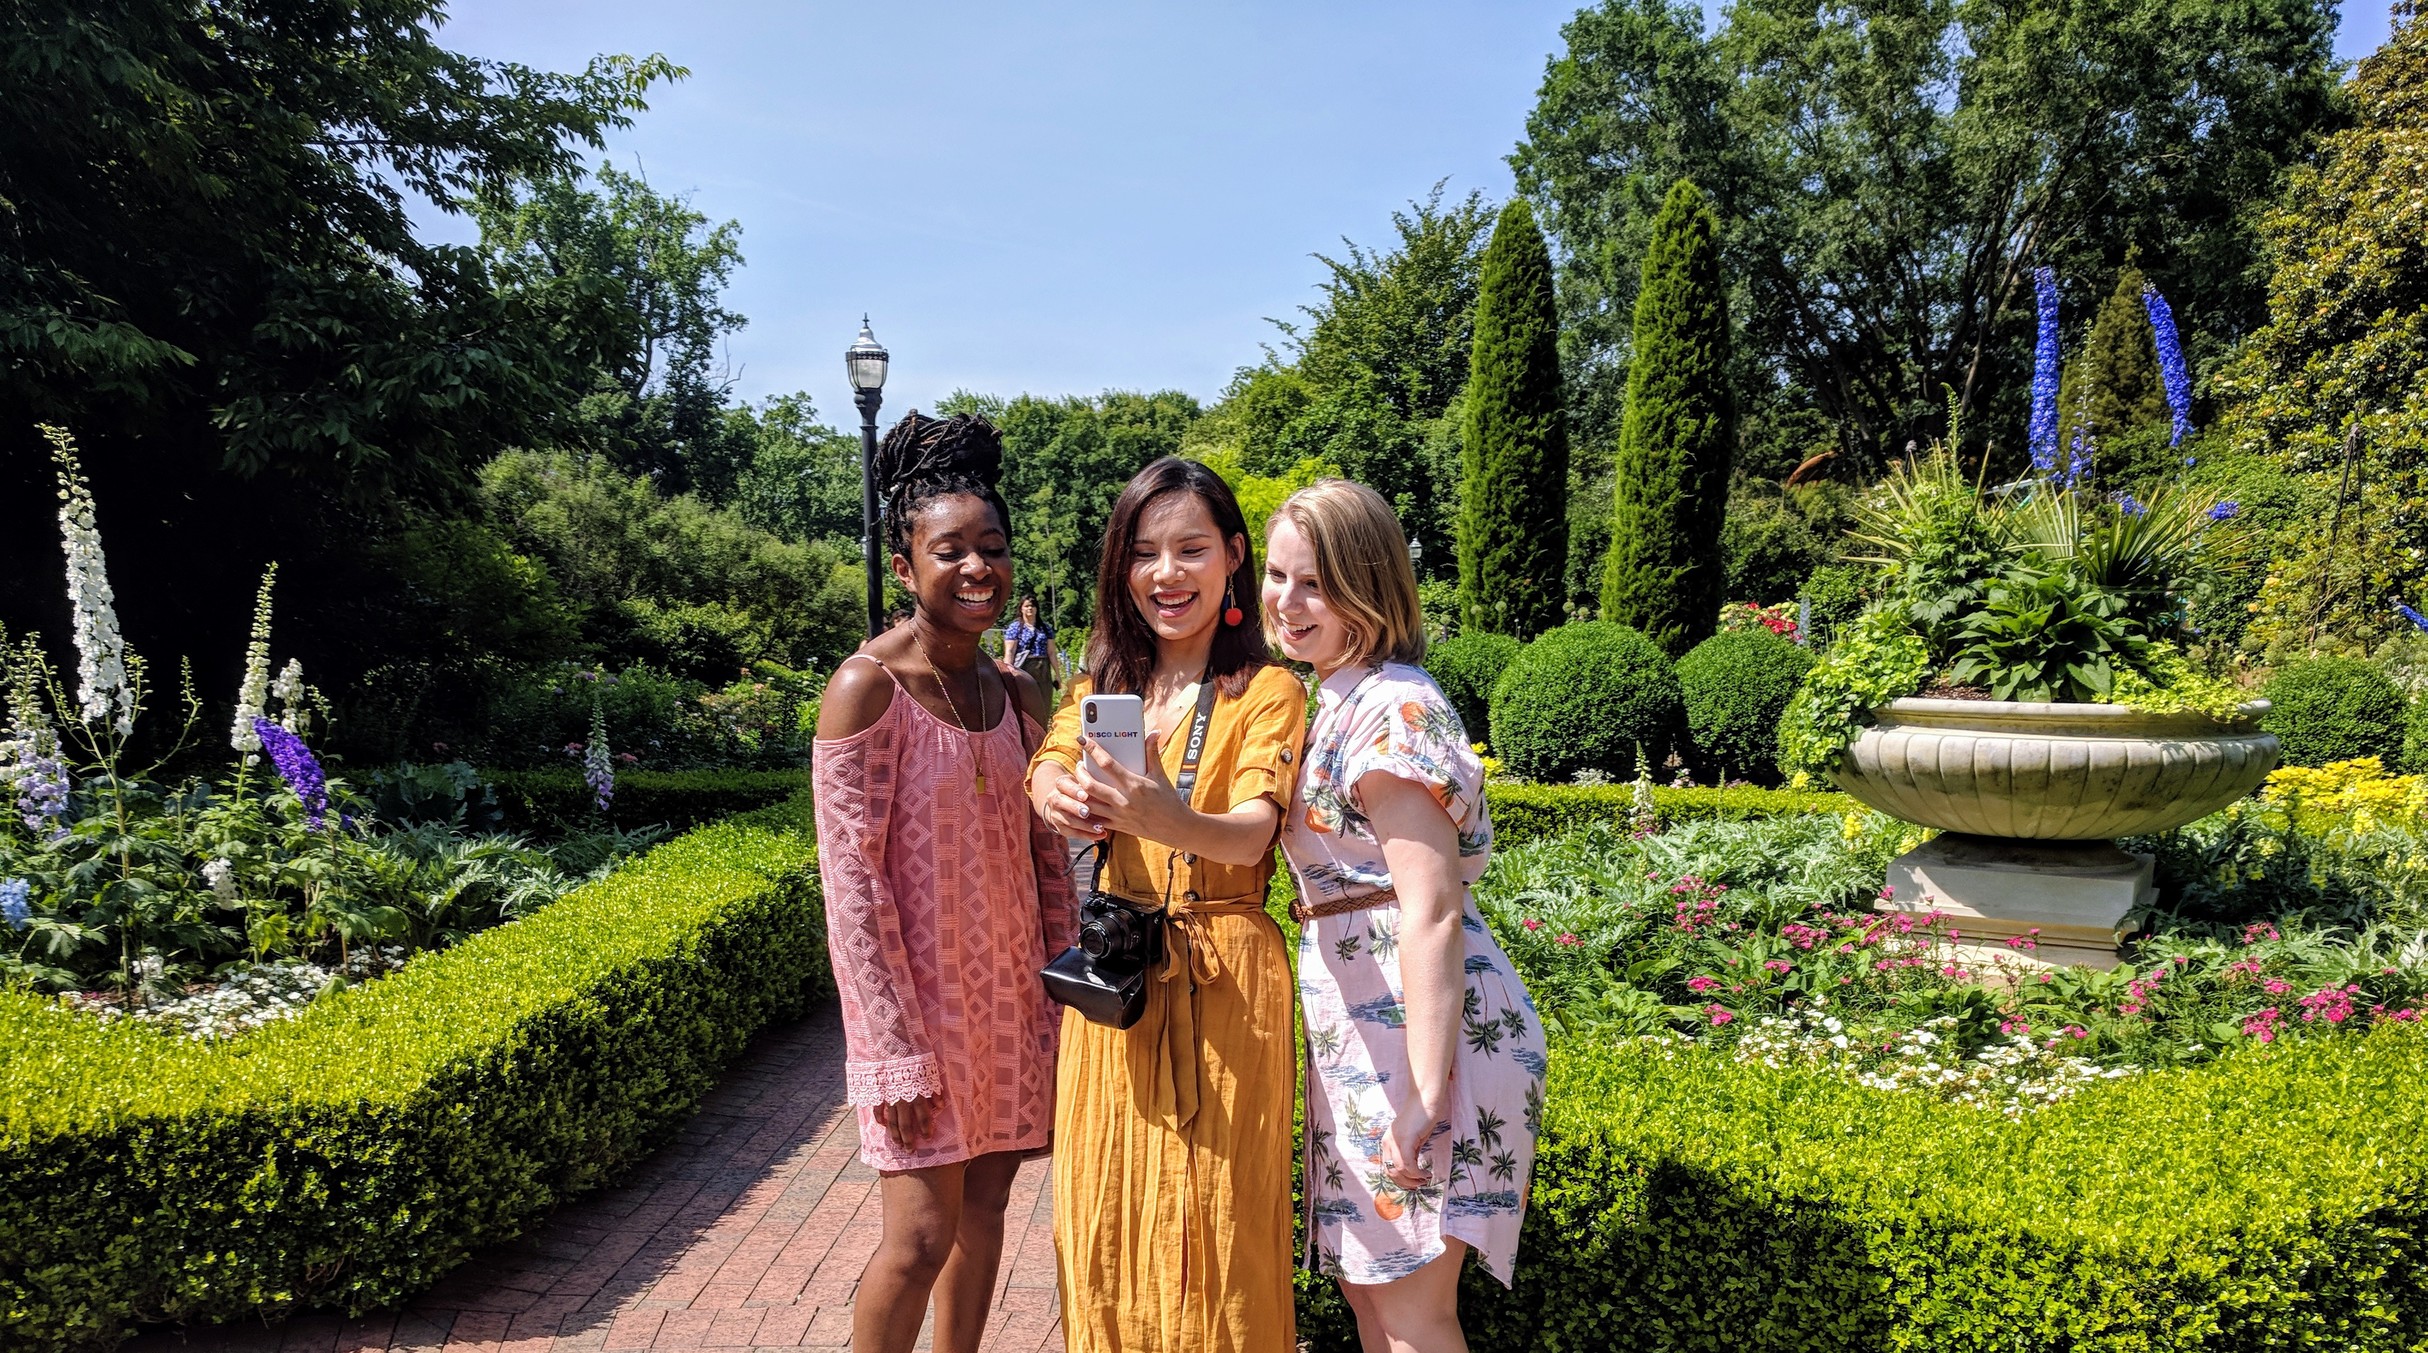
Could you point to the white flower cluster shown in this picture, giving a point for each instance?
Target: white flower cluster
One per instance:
(250, 998)
(2013, 1076)
(102, 690)
(290, 692)
(253, 697)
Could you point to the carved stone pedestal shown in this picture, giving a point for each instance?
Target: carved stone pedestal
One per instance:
(2063, 899)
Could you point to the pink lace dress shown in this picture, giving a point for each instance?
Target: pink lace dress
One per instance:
(941, 906)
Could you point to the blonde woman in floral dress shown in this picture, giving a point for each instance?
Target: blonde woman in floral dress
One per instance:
(1425, 1057)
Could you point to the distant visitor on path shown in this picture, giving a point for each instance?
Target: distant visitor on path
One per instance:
(1172, 1136)
(944, 895)
(1029, 646)
(1425, 1057)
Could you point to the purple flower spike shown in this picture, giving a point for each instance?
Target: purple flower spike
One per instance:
(299, 768)
(2170, 362)
(2413, 616)
(2226, 511)
(2044, 375)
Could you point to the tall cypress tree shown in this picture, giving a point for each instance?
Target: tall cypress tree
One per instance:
(2111, 389)
(1665, 572)
(1513, 521)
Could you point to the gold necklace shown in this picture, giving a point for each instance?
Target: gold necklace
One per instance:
(977, 768)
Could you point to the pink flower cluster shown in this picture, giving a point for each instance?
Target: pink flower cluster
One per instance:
(2332, 1004)
(2257, 931)
(2262, 1026)
(1698, 903)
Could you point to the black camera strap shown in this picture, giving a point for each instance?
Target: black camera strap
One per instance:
(1185, 784)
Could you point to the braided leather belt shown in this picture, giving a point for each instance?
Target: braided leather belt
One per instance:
(1302, 913)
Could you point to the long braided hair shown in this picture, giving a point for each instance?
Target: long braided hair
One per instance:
(923, 458)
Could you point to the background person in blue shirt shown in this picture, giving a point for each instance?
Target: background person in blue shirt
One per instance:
(1029, 646)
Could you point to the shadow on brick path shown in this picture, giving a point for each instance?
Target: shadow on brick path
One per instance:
(748, 1231)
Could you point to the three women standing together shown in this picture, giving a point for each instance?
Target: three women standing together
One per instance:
(941, 823)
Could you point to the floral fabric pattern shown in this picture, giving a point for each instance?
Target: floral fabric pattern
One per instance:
(1362, 1227)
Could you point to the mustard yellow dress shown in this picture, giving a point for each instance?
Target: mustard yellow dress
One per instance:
(1172, 1137)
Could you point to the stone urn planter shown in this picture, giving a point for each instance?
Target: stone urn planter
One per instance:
(2029, 798)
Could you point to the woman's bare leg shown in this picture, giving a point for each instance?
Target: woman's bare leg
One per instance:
(966, 1291)
(922, 1219)
(1416, 1314)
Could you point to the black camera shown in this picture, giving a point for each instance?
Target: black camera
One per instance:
(1105, 977)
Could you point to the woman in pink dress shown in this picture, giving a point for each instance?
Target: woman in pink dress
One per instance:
(944, 895)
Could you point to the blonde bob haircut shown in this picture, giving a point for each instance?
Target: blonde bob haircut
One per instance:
(1361, 563)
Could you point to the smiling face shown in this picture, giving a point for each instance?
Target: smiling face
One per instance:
(1028, 610)
(1179, 562)
(1303, 623)
(959, 567)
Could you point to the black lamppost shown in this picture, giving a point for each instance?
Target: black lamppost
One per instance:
(865, 359)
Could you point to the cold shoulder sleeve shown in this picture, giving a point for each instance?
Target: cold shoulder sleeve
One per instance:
(1057, 896)
(1273, 737)
(887, 1054)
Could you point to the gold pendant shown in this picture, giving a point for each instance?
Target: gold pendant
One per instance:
(982, 782)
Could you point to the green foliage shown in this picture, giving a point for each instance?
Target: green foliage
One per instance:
(803, 480)
(1879, 659)
(1934, 543)
(1586, 696)
(348, 1157)
(1466, 668)
(2111, 393)
(556, 796)
(1774, 540)
(1665, 570)
(1889, 174)
(2334, 709)
(2339, 356)
(1513, 536)
(1736, 687)
(2175, 686)
(1523, 813)
(641, 273)
(1261, 495)
(673, 582)
(2044, 636)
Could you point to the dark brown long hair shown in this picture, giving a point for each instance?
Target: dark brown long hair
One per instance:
(1121, 647)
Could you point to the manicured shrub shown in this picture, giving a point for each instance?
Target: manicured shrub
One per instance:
(2335, 709)
(348, 1157)
(1735, 688)
(1666, 568)
(1513, 494)
(1831, 599)
(1523, 813)
(2266, 1202)
(541, 800)
(1585, 696)
(1465, 668)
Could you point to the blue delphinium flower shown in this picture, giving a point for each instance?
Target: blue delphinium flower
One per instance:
(2129, 505)
(2044, 375)
(16, 903)
(299, 768)
(2413, 616)
(598, 767)
(2226, 511)
(41, 788)
(2170, 362)
(2078, 459)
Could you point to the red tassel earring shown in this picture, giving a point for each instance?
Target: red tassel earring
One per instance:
(1231, 614)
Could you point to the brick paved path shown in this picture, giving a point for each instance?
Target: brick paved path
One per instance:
(747, 1232)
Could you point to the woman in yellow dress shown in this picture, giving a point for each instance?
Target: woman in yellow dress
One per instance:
(1172, 1137)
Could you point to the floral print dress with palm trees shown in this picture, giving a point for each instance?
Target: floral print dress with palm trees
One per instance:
(1364, 1228)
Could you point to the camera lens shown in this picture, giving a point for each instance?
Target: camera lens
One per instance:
(1094, 940)
(1091, 711)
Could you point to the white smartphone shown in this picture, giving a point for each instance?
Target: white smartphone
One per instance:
(1119, 725)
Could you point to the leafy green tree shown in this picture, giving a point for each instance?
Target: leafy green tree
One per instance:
(1513, 525)
(803, 480)
(2335, 374)
(208, 270)
(640, 275)
(1666, 571)
(1891, 170)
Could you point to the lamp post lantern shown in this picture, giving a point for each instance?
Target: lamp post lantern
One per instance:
(865, 360)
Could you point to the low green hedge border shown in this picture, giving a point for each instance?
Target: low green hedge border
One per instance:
(681, 799)
(2276, 1200)
(350, 1156)
(1532, 812)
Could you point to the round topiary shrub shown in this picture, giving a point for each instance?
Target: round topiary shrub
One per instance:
(1584, 697)
(1735, 687)
(2335, 709)
(1466, 668)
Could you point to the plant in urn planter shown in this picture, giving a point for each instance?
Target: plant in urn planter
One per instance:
(2027, 687)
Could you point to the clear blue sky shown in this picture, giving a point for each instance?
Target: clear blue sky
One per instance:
(1053, 197)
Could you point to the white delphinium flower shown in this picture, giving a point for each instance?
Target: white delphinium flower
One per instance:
(290, 693)
(221, 876)
(102, 691)
(253, 697)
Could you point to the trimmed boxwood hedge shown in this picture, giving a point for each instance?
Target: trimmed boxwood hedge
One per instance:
(1532, 812)
(681, 799)
(350, 1156)
(2273, 1200)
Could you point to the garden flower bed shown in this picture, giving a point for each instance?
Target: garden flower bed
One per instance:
(349, 1156)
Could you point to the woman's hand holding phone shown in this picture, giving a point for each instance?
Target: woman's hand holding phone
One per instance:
(1116, 798)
